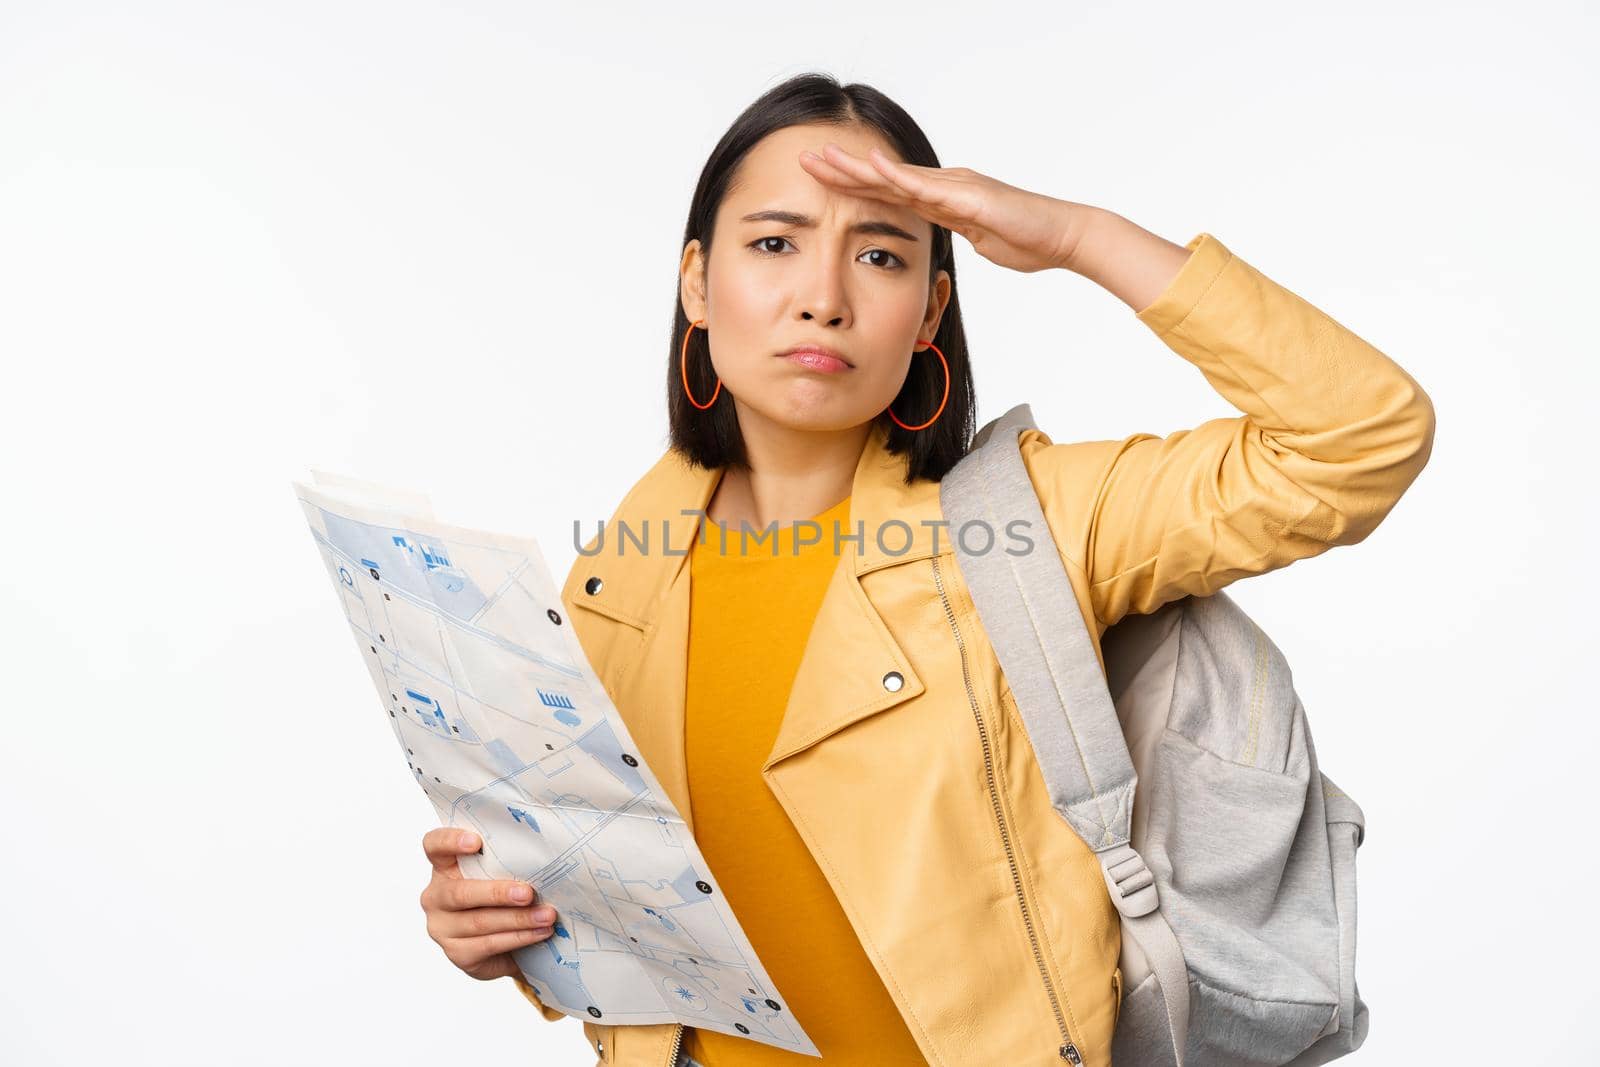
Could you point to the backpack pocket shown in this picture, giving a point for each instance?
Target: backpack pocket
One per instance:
(1245, 882)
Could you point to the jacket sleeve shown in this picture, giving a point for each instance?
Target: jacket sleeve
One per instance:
(533, 998)
(1333, 432)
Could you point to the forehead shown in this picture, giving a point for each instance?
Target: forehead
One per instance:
(770, 176)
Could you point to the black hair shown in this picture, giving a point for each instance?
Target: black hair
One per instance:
(711, 437)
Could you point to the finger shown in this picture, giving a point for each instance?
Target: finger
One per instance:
(933, 193)
(914, 181)
(868, 171)
(471, 951)
(444, 845)
(861, 182)
(928, 191)
(463, 893)
(478, 922)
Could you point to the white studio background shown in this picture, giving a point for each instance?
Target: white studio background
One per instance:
(436, 244)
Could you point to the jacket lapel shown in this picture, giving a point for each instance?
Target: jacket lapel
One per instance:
(849, 652)
(851, 657)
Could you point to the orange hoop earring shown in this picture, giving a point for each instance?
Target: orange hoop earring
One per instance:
(683, 365)
(942, 399)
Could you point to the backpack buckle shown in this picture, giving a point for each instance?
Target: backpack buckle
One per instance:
(1132, 886)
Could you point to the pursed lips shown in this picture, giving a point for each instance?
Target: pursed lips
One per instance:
(817, 358)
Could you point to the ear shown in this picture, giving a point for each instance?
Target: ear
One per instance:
(938, 300)
(692, 281)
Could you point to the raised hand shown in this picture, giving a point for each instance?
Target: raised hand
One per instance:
(1010, 226)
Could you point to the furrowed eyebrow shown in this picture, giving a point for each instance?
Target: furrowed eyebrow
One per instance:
(881, 227)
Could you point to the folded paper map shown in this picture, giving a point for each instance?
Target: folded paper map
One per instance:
(507, 729)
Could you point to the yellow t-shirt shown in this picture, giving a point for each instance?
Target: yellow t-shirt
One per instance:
(749, 617)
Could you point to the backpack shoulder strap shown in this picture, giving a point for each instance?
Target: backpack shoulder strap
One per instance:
(1039, 635)
(1025, 603)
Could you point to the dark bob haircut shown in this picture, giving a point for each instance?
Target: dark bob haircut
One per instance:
(711, 437)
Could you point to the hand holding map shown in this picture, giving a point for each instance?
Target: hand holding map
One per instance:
(509, 732)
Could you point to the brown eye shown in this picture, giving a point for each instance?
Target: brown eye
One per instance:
(760, 245)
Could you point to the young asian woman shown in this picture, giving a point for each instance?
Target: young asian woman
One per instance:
(829, 717)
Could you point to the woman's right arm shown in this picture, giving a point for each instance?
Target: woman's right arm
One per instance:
(1332, 433)
(480, 922)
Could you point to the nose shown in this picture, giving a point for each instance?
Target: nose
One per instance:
(835, 320)
(824, 298)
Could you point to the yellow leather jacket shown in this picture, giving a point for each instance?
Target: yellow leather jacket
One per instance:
(901, 757)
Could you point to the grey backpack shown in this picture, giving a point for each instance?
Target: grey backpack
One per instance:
(1187, 767)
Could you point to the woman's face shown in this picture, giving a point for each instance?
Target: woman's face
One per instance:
(809, 276)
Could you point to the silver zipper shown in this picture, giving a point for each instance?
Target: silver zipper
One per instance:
(1068, 1050)
(677, 1043)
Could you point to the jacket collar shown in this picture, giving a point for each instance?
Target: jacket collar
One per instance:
(646, 541)
(644, 582)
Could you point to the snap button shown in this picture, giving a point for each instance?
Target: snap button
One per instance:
(592, 586)
(893, 681)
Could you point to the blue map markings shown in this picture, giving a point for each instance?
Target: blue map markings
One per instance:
(601, 742)
(351, 539)
(505, 760)
(684, 885)
(685, 994)
(566, 713)
(435, 719)
(422, 571)
(663, 918)
(559, 971)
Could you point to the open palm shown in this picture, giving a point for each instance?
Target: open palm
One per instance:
(1013, 227)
